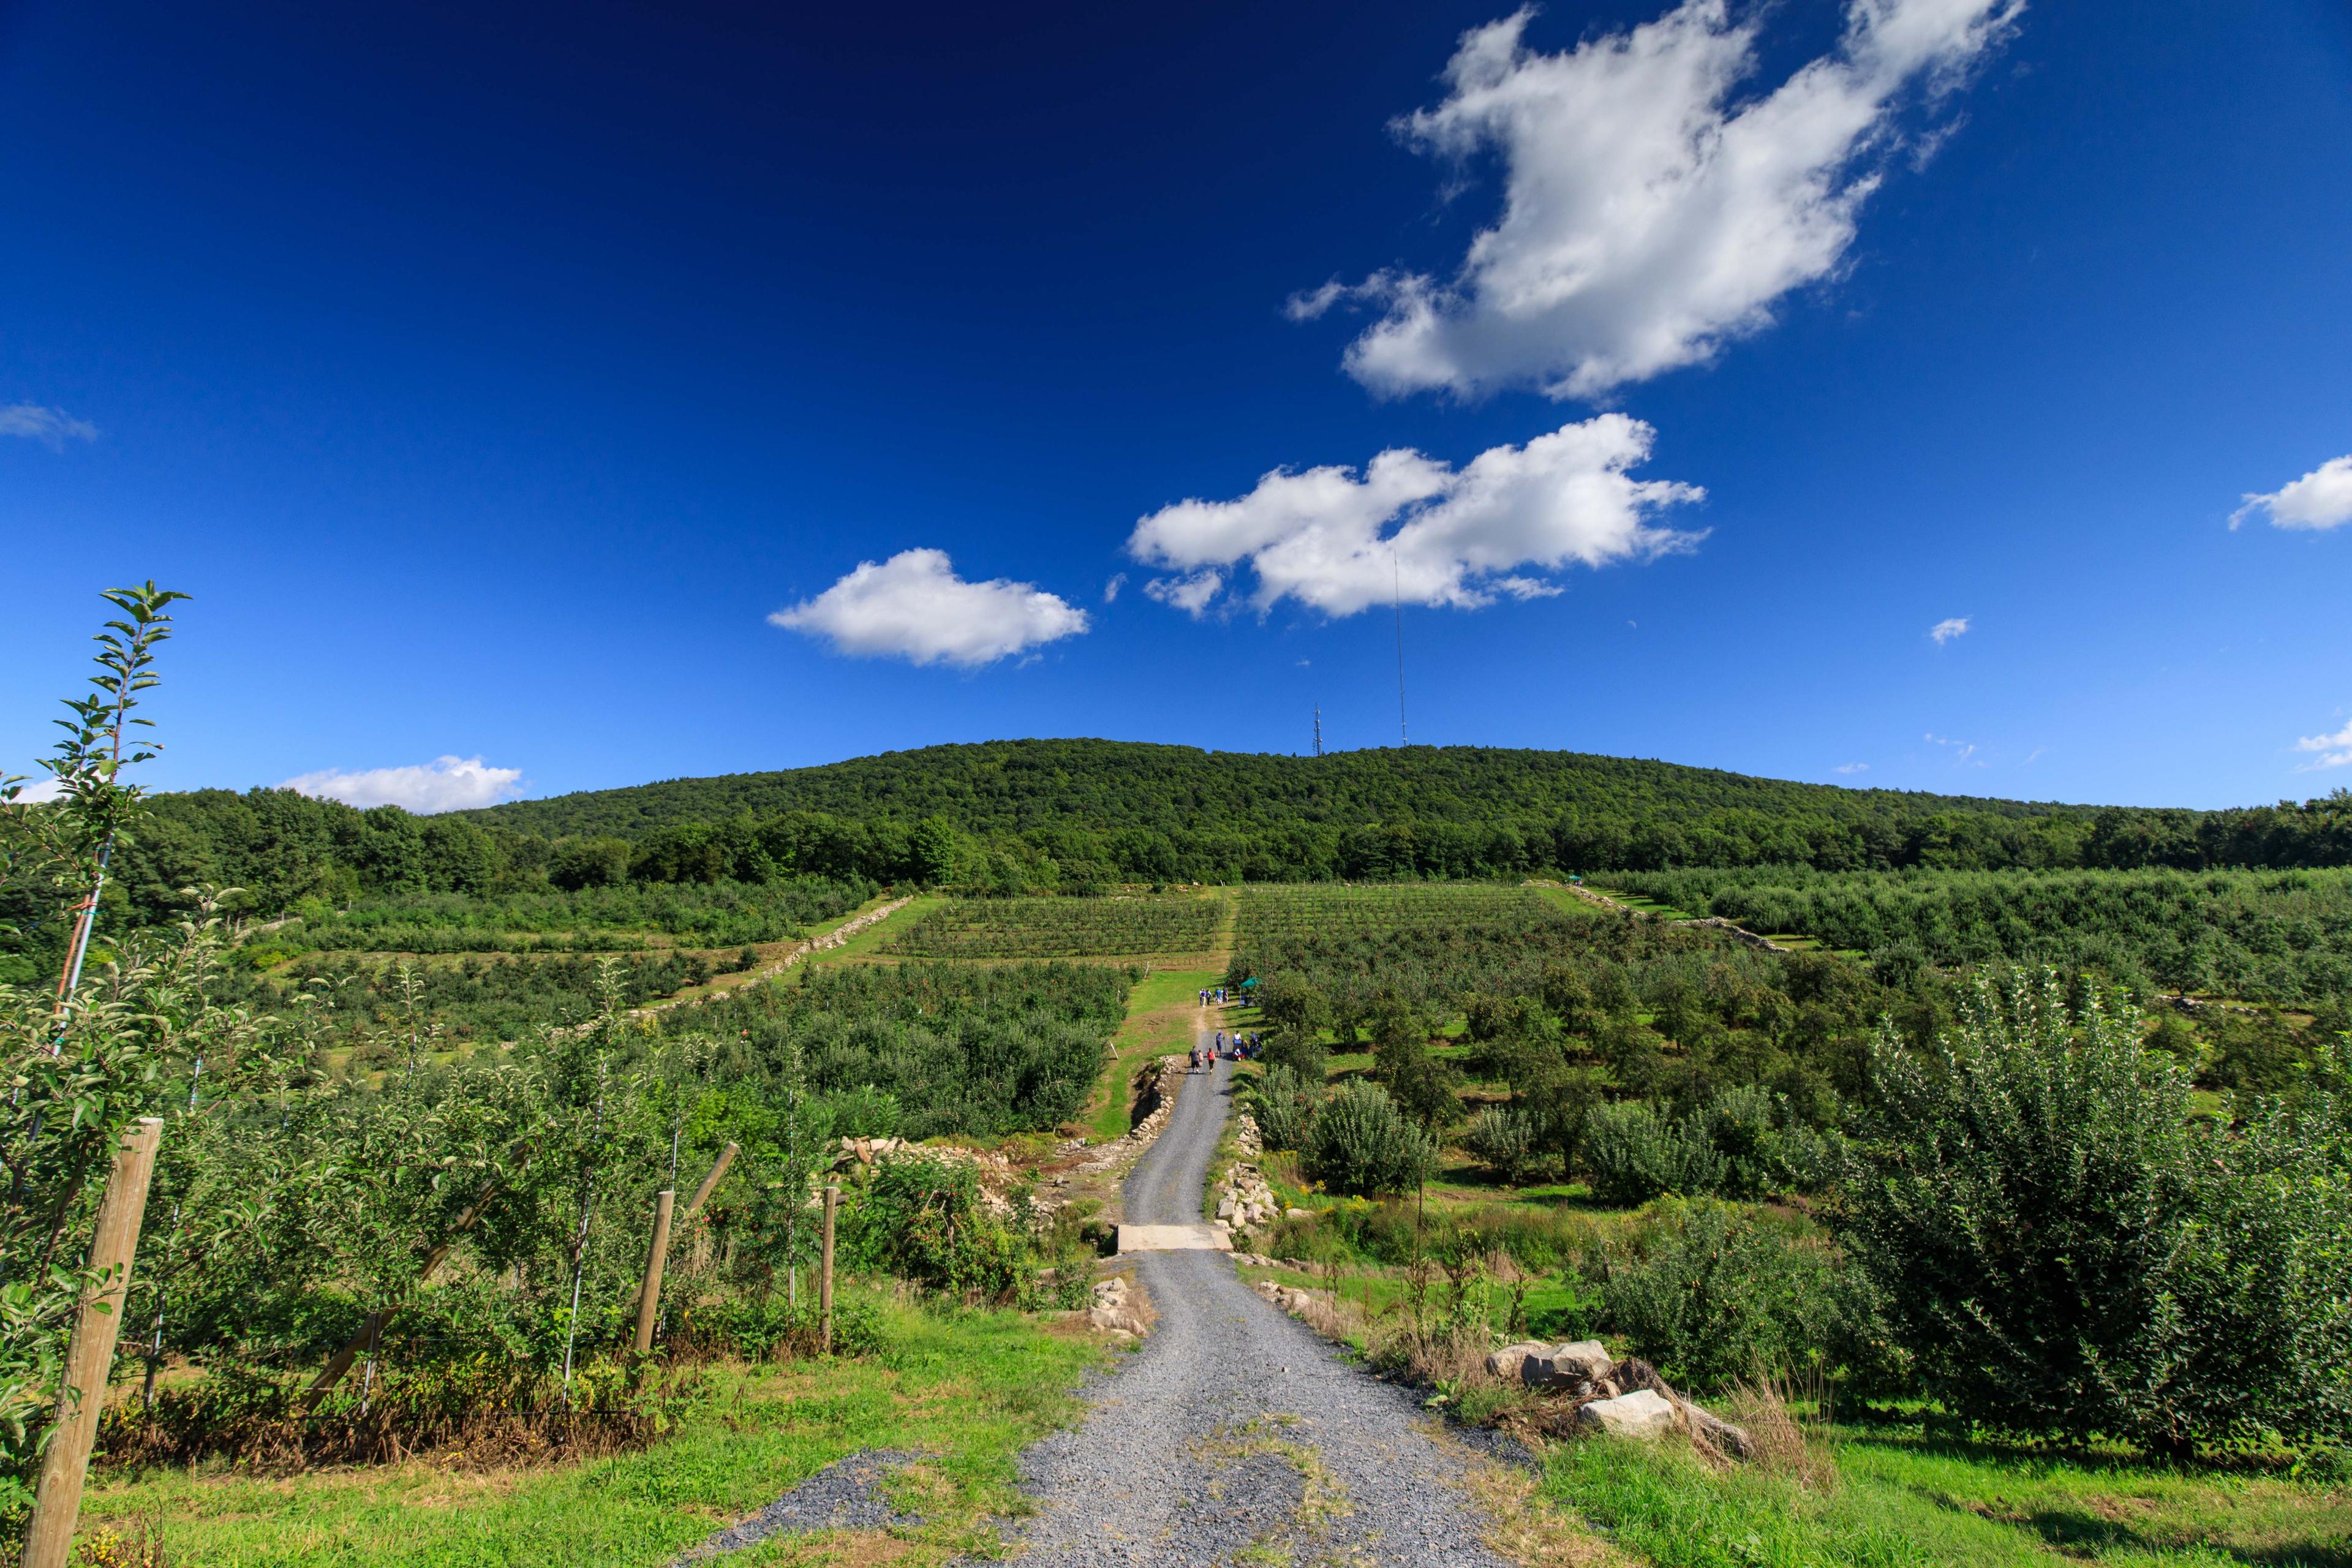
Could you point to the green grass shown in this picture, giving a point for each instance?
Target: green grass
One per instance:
(868, 942)
(1896, 1502)
(1648, 906)
(968, 1390)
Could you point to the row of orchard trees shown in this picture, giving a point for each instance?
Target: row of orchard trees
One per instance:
(291, 1209)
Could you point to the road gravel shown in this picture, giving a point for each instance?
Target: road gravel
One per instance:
(1236, 1428)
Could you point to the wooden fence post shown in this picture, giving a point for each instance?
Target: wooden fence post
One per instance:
(824, 1279)
(90, 1360)
(649, 1296)
(709, 1182)
(680, 1217)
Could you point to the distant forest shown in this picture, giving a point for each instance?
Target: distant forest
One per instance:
(1069, 815)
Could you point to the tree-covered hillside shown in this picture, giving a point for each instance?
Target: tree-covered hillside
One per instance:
(1067, 815)
(1174, 812)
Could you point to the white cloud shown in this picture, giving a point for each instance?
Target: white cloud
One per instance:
(1850, 768)
(39, 792)
(446, 784)
(1191, 593)
(2321, 499)
(2333, 751)
(1651, 212)
(1948, 628)
(913, 606)
(1111, 588)
(1323, 536)
(1962, 750)
(50, 427)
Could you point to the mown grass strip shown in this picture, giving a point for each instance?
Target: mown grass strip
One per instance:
(968, 1389)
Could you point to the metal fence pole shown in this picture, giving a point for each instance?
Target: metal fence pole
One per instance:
(824, 1279)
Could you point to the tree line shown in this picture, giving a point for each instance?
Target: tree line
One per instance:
(1048, 816)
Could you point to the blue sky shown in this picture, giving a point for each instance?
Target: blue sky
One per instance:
(495, 378)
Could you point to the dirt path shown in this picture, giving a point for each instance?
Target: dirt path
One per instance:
(1237, 1429)
(838, 936)
(1738, 932)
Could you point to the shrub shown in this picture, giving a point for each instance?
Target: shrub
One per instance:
(1285, 1110)
(2272, 1277)
(862, 1112)
(2063, 1249)
(922, 1219)
(1504, 1140)
(1635, 1155)
(1717, 1296)
(1363, 1144)
(1301, 1054)
(1763, 1146)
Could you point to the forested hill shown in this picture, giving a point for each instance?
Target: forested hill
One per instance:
(1072, 815)
(1026, 787)
(1123, 810)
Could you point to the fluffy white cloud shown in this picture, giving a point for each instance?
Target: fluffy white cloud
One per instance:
(2321, 499)
(1948, 628)
(39, 792)
(1323, 536)
(1651, 210)
(913, 606)
(444, 783)
(49, 426)
(2333, 751)
(1191, 593)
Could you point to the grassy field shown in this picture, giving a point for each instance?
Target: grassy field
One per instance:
(1880, 1501)
(967, 1390)
(871, 941)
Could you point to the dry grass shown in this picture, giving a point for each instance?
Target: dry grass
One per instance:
(1780, 1441)
(1523, 1525)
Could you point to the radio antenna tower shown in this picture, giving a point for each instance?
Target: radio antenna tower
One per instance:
(1318, 729)
(1397, 590)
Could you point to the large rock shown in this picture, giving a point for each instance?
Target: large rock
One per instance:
(1569, 1366)
(1644, 1415)
(1505, 1362)
(1119, 1309)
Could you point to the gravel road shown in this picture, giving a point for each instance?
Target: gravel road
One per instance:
(1235, 1425)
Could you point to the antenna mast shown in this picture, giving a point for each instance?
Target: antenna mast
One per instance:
(1318, 729)
(1397, 590)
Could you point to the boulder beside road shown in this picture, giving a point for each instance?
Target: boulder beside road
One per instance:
(1506, 1363)
(1571, 1365)
(1644, 1415)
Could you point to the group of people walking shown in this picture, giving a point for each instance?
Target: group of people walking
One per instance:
(1244, 1047)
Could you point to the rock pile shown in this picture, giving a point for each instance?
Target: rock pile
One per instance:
(998, 1175)
(1292, 1299)
(1617, 1398)
(1246, 1135)
(1245, 1202)
(1171, 1076)
(1120, 1307)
